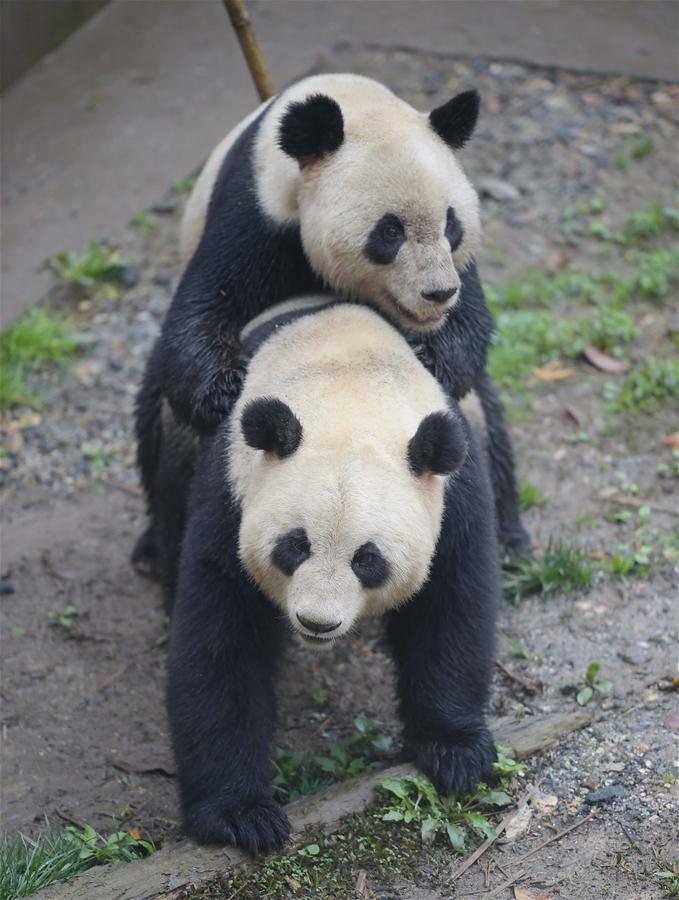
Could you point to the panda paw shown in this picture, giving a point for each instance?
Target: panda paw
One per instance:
(258, 828)
(456, 767)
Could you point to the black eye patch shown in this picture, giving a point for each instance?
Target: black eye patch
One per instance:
(291, 550)
(369, 566)
(454, 229)
(385, 240)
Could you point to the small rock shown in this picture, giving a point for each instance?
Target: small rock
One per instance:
(519, 825)
(6, 587)
(498, 190)
(541, 802)
(129, 277)
(162, 279)
(606, 794)
(166, 206)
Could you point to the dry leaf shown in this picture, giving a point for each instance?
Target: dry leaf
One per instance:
(560, 454)
(572, 415)
(603, 362)
(134, 833)
(672, 440)
(553, 371)
(524, 894)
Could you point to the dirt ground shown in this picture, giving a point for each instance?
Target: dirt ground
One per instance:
(83, 725)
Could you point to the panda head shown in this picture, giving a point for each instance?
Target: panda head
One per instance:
(335, 532)
(387, 215)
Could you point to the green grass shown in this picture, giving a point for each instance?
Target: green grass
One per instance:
(301, 773)
(94, 266)
(29, 864)
(36, 340)
(183, 186)
(530, 495)
(562, 569)
(645, 388)
(656, 272)
(144, 222)
(649, 222)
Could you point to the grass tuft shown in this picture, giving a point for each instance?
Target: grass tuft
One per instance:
(29, 864)
(645, 388)
(562, 569)
(530, 495)
(34, 341)
(94, 266)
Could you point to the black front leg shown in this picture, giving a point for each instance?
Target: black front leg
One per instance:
(443, 642)
(223, 651)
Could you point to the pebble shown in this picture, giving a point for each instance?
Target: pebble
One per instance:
(606, 794)
(498, 190)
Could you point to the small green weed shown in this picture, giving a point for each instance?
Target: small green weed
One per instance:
(530, 495)
(644, 388)
(592, 685)
(95, 266)
(649, 222)
(655, 273)
(299, 774)
(36, 340)
(669, 879)
(184, 185)
(29, 864)
(64, 620)
(415, 799)
(643, 147)
(563, 569)
(144, 222)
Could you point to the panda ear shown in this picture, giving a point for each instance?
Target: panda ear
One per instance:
(455, 121)
(311, 128)
(439, 445)
(270, 425)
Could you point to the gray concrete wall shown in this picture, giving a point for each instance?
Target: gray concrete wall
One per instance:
(31, 28)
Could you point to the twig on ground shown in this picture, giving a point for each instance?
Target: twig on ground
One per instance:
(529, 687)
(503, 887)
(480, 850)
(129, 489)
(69, 819)
(554, 837)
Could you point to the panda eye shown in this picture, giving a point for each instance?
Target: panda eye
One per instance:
(369, 566)
(454, 229)
(391, 231)
(291, 550)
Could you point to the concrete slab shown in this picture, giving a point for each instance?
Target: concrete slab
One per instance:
(140, 94)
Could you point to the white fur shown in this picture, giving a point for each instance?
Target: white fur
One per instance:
(391, 161)
(360, 394)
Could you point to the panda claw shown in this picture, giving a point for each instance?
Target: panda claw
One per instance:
(257, 829)
(456, 767)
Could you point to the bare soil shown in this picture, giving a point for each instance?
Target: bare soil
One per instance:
(83, 723)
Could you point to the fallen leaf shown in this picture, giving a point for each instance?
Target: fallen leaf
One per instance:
(603, 362)
(572, 415)
(560, 454)
(672, 440)
(524, 894)
(553, 371)
(134, 833)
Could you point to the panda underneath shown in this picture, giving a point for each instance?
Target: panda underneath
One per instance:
(334, 185)
(344, 484)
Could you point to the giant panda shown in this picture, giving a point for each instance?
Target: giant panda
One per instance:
(333, 185)
(344, 484)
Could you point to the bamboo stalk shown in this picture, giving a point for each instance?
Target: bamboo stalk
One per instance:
(250, 47)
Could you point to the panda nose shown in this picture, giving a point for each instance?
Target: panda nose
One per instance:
(439, 296)
(317, 627)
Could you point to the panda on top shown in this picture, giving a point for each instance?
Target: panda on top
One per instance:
(334, 185)
(344, 484)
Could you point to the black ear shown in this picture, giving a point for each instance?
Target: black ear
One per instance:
(269, 424)
(455, 121)
(311, 128)
(439, 445)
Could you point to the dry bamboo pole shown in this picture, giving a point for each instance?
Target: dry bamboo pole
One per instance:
(250, 46)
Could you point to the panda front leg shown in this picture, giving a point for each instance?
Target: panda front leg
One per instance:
(224, 646)
(443, 645)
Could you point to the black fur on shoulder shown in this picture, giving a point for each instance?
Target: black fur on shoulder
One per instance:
(311, 128)
(455, 121)
(438, 446)
(269, 424)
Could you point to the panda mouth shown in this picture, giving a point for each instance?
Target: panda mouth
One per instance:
(316, 640)
(426, 317)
